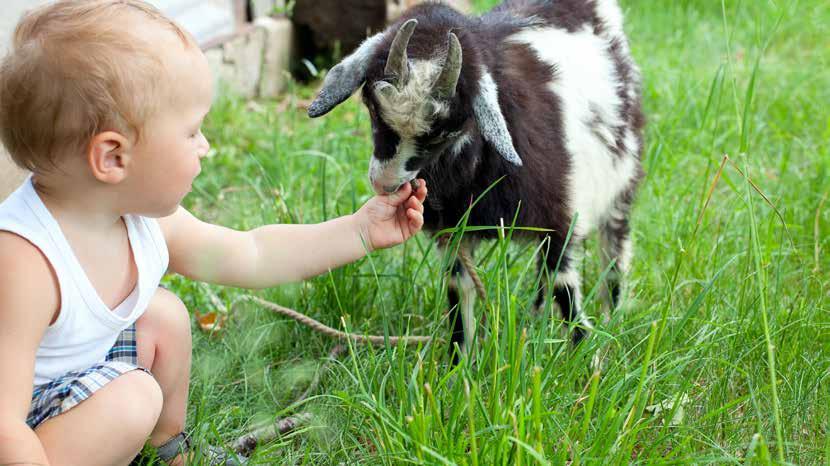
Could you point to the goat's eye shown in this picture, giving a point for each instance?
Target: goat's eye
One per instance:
(437, 140)
(384, 89)
(445, 135)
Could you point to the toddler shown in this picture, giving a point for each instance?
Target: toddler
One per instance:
(102, 100)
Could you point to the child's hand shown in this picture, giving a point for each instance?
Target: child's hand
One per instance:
(390, 220)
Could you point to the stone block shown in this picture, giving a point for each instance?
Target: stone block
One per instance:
(277, 54)
(237, 63)
(262, 8)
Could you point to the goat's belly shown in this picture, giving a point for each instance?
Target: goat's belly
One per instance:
(595, 183)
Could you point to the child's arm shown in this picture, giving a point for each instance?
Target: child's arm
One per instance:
(274, 254)
(28, 301)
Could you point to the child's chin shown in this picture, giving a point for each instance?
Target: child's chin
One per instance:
(171, 211)
(160, 212)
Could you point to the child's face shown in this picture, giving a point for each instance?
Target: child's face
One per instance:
(167, 159)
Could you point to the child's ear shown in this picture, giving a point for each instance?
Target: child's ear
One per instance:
(108, 156)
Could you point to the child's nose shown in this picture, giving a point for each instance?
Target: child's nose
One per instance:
(204, 146)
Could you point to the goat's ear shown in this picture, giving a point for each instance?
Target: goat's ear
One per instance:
(491, 121)
(342, 80)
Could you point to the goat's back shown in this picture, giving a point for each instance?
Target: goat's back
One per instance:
(570, 92)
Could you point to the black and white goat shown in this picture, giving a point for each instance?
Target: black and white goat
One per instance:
(541, 92)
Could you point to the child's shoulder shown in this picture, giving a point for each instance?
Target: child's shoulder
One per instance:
(18, 252)
(33, 286)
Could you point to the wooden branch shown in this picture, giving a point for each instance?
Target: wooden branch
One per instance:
(246, 444)
(268, 431)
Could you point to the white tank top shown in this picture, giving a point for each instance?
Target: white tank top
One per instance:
(86, 328)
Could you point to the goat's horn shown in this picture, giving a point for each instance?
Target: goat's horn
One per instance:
(397, 64)
(444, 85)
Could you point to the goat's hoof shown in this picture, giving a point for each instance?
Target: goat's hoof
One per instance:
(579, 334)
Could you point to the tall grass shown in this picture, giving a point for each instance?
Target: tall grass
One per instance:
(719, 354)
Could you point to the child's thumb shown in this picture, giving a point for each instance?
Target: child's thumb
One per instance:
(402, 194)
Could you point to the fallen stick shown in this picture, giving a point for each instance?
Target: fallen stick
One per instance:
(267, 431)
(246, 444)
(319, 327)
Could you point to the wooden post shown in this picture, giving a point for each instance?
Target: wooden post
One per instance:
(240, 13)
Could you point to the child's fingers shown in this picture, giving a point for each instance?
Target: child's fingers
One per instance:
(416, 219)
(421, 192)
(414, 203)
(401, 195)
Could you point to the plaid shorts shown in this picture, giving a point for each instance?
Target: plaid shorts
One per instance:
(64, 393)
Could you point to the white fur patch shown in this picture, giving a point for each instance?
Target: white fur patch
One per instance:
(570, 277)
(614, 249)
(491, 121)
(365, 50)
(610, 14)
(632, 145)
(468, 300)
(411, 110)
(464, 284)
(626, 254)
(460, 144)
(388, 175)
(587, 88)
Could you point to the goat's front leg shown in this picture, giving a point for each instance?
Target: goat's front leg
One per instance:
(567, 294)
(461, 295)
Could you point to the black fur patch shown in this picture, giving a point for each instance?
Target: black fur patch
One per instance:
(615, 292)
(385, 139)
(457, 338)
(563, 295)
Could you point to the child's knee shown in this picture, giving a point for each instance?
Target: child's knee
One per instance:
(176, 318)
(165, 324)
(139, 403)
(166, 317)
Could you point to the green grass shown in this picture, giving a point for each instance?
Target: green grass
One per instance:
(726, 316)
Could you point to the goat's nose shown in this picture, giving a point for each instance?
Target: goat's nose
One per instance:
(382, 188)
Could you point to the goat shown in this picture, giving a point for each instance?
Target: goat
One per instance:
(542, 93)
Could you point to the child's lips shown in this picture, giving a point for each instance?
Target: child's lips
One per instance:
(190, 187)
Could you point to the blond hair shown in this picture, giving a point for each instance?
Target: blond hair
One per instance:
(75, 70)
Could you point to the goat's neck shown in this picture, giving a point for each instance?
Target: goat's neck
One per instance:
(455, 174)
